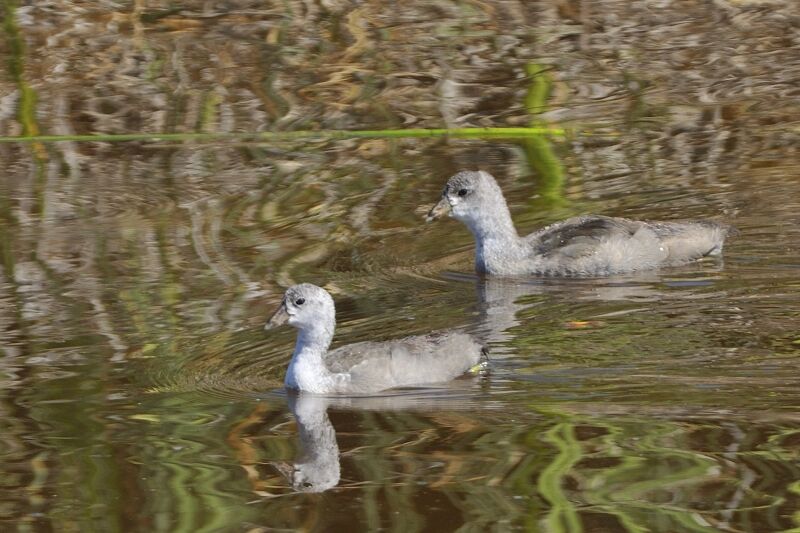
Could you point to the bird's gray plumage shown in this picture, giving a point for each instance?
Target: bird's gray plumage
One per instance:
(587, 245)
(364, 367)
(417, 360)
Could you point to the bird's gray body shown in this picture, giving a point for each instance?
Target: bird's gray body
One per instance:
(419, 360)
(594, 245)
(590, 245)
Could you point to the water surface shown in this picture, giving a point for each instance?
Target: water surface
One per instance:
(138, 390)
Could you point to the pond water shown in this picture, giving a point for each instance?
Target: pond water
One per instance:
(139, 392)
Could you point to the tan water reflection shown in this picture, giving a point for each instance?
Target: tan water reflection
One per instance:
(138, 392)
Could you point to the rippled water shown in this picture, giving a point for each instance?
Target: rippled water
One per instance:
(138, 390)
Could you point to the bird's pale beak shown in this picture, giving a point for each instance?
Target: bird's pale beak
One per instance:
(439, 210)
(278, 318)
(285, 469)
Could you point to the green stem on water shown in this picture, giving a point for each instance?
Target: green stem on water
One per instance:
(462, 133)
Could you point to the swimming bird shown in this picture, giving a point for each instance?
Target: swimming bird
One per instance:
(364, 367)
(589, 245)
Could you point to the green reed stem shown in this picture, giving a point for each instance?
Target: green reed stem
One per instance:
(461, 133)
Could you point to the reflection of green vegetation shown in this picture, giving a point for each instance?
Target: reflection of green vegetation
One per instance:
(26, 113)
(376, 465)
(562, 515)
(192, 498)
(208, 114)
(7, 221)
(646, 467)
(155, 15)
(87, 471)
(627, 469)
(795, 488)
(538, 151)
(16, 69)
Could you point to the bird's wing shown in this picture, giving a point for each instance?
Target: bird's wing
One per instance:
(580, 236)
(344, 358)
(438, 356)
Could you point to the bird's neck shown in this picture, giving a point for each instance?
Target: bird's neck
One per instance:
(496, 239)
(307, 370)
(496, 225)
(315, 338)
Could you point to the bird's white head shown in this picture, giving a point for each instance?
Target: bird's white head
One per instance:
(304, 306)
(471, 196)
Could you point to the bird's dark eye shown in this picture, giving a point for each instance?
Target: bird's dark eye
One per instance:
(300, 301)
(462, 192)
(307, 485)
